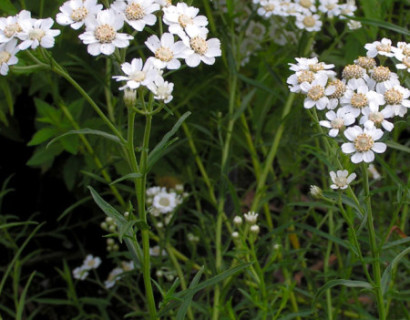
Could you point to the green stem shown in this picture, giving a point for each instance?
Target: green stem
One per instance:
(326, 267)
(107, 90)
(373, 245)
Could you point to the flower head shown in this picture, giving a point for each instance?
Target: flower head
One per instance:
(161, 89)
(341, 179)
(91, 262)
(76, 12)
(137, 13)
(137, 74)
(251, 217)
(8, 57)
(37, 32)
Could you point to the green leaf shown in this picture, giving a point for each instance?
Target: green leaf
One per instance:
(188, 298)
(159, 149)
(22, 301)
(395, 243)
(7, 7)
(323, 234)
(381, 24)
(397, 146)
(42, 135)
(387, 273)
(88, 131)
(342, 282)
(131, 176)
(244, 104)
(48, 113)
(43, 156)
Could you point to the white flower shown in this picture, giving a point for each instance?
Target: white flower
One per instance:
(237, 220)
(255, 229)
(337, 121)
(164, 3)
(374, 173)
(354, 25)
(347, 9)
(167, 51)
(137, 74)
(153, 191)
(37, 32)
(355, 75)
(8, 57)
(80, 273)
(313, 64)
(330, 7)
(201, 49)
(75, 12)
(161, 89)
(402, 53)
(235, 235)
(397, 99)
(137, 13)
(101, 34)
(341, 179)
(268, 8)
(315, 191)
(383, 48)
(381, 77)
(339, 91)
(156, 251)
(164, 201)
(309, 22)
(306, 5)
(183, 17)
(377, 118)
(295, 80)
(10, 26)
(113, 277)
(251, 217)
(127, 266)
(363, 143)
(91, 262)
(317, 92)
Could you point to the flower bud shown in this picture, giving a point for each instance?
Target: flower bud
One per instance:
(130, 97)
(237, 220)
(255, 229)
(316, 192)
(235, 235)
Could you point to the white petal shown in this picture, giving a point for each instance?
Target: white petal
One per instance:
(348, 147)
(368, 156)
(379, 147)
(357, 157)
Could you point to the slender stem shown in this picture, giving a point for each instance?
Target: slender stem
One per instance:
(326, 267)
(373, 245)
(107, 90)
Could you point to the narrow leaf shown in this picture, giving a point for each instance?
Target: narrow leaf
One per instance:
(387, 273)
(343, 282)
(131, 176)
(88, 131)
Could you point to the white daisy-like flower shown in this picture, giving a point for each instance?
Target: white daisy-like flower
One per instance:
(137, 73)
(356, 98)
(75, 12)
(397, 99)
(354, 25)
(127, 266)
(182, 17)
(268, 8)
(164, 3)
(381, 77)
(80, 273)
(10, 26)
(113, 277)
(402, 53)
(366, 63)
(165, 202)
(161, 89)
(339, 91)
(347, 9)
(337, 121)
(317, 92)
(251, 217)
(295, 80)
(315, 191)
(153, 191)
(137, 13)
(377, 118)
(91, 262)
(355, 75)
(306, 5)
(330, 7)
(167, 51)
(156, 251)
(309, 22)
(313, 64)
(382, 47)
(201, 49)
(37, 32)
(341, 179)
(8, 57)
(363, 143)
(101, 34)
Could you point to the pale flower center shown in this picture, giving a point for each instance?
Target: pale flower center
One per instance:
(383, 47)
(91, 263)
(366, 62)
(79, 14)
(37, 34)
(199, 45)
(363, 142)
(162, 91)
(393, 96)
(316, 92)
(406, 61)
(4, 57)
(164, 202)
(305, 3)
(105, 33)
(306, 76)
(330, 6)
(11, 29)
(138, 76)
(337, 123)
(406, 50)
(316, 67)
(381, 74)
(164, 54)
(376, 117)
(184, 20)
(359, 100)
(134, 12)
(340, 181)
(269, 7)
(352, 71)
(309, 21)
(340, 89)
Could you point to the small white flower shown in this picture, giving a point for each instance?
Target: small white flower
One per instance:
(402, 53)
(268, 8)
(397, 99)
(251, 217)
(341, 179)
(237, 220)
(373, 172)
(113, 277)
(347, 9)
(330, 7)
(337, 121)
(377, 118)
(101, 34)
(137, 74)
(165, 202)
(382, 47)
(137, 13)
(167, 51)
(37, 32)
(255, 229)
(315, 191)
(306, 5)
(156, 251)
(317, 92)
(8, 57)
(313, 64)
(309, 22)
(295, 80)
(75, 12)
(363, 144)
(127, 266)
(381, 77)
(80, 273)
(235, 234)
(91, 262)
(161, 89)
(355, 75)
(354, 25)
(10, 26)
(153, 191)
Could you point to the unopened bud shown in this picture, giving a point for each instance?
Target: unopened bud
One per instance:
(316, 192)
(130, 97)
(237, 220)
(235, 235)
(255, 229)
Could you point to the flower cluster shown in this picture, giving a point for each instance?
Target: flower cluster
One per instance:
(117, 273)
(163, 203)
(251, 218)
(90, 262)
(21, 32)
(360, 104)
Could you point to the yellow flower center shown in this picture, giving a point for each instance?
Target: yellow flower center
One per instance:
(337, 123)
(383, 47)
(36, 34)
(316, 67)
(340, 181)
(105, 33)
(376, 117)
(406, 50)
(4, 57)
(164, 54)
(393, 96)
(352, 71)
(199, 45)
(381, 74)
(359, 100)
(363, 142)
(366, 62)
(269, 7)
(134, 12)
(305, 3)
(340, 89)
(406, 61)
(306, 76)
(79, 14)
(164, 202)
(184, 20)
(316, 92)
(11, 29)
(309, 21)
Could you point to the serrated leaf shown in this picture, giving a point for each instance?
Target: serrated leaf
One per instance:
(387, 273)
(42, 135)
(49, 113)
